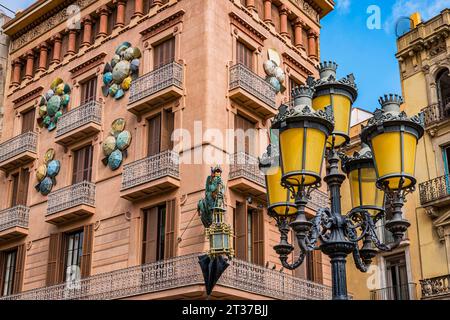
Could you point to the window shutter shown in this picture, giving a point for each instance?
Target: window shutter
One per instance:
(2, 270)
(129, 11)
(300, 272)
(154, 138)
(244, 55)
(170, 243)
(167, 130)
(86, 258)
(56, 263)
(28, 121)
(317, 266)
(88, 90)
(15, 190)
(150, 235)
(241, 231)
(164, 53)
(20, 265)
(77, 165)
(258, 237)
(87, 170)
(24, 179)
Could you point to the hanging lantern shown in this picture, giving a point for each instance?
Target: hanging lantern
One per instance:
(362, 176)
(340, 95)
(219, 234)
(303, 133)
(393, 137)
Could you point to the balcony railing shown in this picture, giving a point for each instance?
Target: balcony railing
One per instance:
(399, 292)
(437, 112)
(17, 145)
(82, 193)
(434, 189)
(435, 287)
(175, 273)
(246, 166)
(168, 75)
(151, 168)
(14, 217)
(80, 116)
(241, 76)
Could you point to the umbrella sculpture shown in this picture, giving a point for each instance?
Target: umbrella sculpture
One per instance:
(46, 173)
(115, 144)
(53, 103)
(212, 211)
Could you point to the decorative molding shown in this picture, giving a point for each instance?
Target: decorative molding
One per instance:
(29, 245)
(295, 64)
(309, 7)
(97, 225)
(162, 25)
(127, 215)
(45, 23)
(87, 65)
(27, 97)
(247, 28)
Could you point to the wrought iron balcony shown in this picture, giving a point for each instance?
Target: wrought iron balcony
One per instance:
(245, 176)
(436, 288)
(156, 87)
(435, 191)
(183, 271)
(152, 175)
(71, 203)
(436, 113)
(81, 122)
(399, 292)
(14, 222)
(252, 91)
(18, 151)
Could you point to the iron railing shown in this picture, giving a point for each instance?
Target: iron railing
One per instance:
(435, 287)
(17, 145)
(16, 216)
(82, 193)
(434, 189)
(243, 77)
(246, 166)
(423, 31)
(437, 112)
(77, 117)
(176, 273)
(151, 168)
(405, 291)
(168, 75)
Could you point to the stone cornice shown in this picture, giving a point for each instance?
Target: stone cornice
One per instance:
(88, 64)
(162, 25)
(291, 61)
(247, 28)
(27, 97)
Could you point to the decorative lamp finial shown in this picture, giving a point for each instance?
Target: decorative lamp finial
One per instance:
(327, 69)
(303, 95)
(391, 103)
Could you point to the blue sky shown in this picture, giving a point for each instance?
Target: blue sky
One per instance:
(345, 38)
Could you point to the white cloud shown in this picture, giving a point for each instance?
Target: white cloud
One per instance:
(404, 8)
(343, 6)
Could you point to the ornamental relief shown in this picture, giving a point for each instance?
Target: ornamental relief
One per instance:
(305, 6)
(47, 25)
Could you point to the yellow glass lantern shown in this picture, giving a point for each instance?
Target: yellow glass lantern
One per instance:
(362, 177)
(340, 95)
(303, 133)
(280, 201)
(393, 137)
(219, 234)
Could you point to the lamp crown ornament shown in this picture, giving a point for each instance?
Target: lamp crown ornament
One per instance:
(391, 103)
(327, 69)
(303, 96)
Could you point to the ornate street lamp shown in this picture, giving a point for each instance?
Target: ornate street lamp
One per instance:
(390, 137)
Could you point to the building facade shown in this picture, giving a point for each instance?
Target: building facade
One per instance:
(134, 232)
(4, 43)
(420, 267)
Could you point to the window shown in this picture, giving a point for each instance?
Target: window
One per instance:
(305, 39)
(69, 255)
(74, 251)
(82, 165)
(160, 136)
(89, 90)
(158, 241)
(36, 62)
(164, 53)
(249, 230)
(28, 120)
(245, 135)
(397, 278)
(11, 270)
(291, 85)
(311, 268)
(19, 192)
(244, 55)
(129, 11)
(446, 156)
(64, 45)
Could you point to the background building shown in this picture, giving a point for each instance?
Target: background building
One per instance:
(420, 267)
(134, 232)
(4, 43)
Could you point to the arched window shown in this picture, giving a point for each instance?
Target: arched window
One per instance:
(443, 86)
